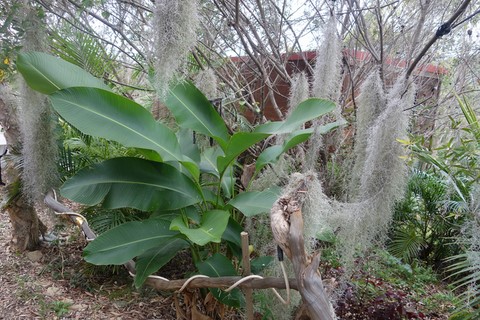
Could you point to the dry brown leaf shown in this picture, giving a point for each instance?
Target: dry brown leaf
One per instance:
(197, 315)
(180, 314)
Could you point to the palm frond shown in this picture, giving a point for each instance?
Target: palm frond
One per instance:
(406, 244)
(84, 51)
(102, 220)
(468, 281)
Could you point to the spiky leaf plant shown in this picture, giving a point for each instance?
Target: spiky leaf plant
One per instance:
(466, 267)
(84, 51)
(458, 162)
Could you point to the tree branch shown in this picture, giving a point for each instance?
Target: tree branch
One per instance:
(441, 31)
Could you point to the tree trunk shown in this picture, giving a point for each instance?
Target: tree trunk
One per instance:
(27, 227)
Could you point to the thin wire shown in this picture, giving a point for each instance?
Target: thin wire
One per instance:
(154, 277)
(466, 19)
(254, 276)
(236, 284)
(190, 280)
(287, 286)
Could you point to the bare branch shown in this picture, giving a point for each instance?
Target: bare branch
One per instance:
(441, 31)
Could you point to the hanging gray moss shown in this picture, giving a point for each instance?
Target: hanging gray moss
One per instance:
(36, 120)
(206, 82)
(299, 91)
(328, 64)
(174, 26)
(370, 104)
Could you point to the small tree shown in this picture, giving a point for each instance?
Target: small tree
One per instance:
(190, 192)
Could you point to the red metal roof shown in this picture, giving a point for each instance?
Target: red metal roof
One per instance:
(361, 56)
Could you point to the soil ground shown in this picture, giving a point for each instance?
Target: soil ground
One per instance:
(55, 283)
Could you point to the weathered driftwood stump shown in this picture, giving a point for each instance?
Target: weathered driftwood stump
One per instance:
(287, 227)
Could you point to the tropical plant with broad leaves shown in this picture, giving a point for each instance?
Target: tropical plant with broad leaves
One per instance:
(189, 193)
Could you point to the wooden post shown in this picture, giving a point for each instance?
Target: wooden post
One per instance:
(246, 272)
(310, 283)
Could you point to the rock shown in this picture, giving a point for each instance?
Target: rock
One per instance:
(53, 291)
(79, 307)
(34, 256)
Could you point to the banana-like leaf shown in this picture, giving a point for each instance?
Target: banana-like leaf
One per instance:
(273, 153)
(155, 258)
(132, 182)
(108, 115)
(228, 182)
(219, 266)
(120, 244)
(208, 163)
(192, 110)
(255, 202)
(188, 147)
(232, 232)
(47, 74)
(307, 110)
(211, 228)
(237, 144)
(232, 236)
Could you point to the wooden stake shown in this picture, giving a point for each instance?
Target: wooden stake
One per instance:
(246, 272)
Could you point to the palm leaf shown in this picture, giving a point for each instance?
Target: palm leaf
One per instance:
(84, 51)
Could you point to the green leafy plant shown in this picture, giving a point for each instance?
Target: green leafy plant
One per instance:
(189, 192)
(457, 162)
(424, 225)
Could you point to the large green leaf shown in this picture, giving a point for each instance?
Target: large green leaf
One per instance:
(108, 115)
(307, 110)
(232, 232)
(255, 202)
(269, 156)
(232, 236)
(273, 153)
(211, 227)
(192, 110)
(187, 144)
(132, 182)
(208, 163)
(120, 244)
(155, 258)
(219, 266)
(237, 144)
(47, 74)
